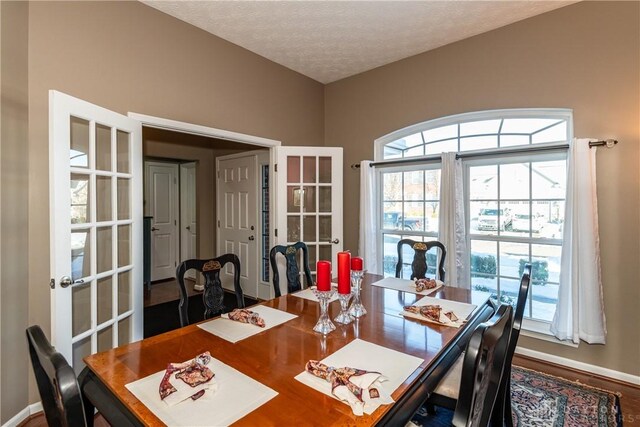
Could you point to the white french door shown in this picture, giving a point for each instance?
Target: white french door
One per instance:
(95, 198)
(238, 216)
(309, 202)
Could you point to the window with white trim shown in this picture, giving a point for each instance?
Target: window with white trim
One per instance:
(515, 187)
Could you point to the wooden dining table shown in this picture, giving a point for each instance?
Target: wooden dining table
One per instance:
(275, 356)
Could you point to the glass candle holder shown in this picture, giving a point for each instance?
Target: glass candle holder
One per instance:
(356, 309)
(324, 325)
(344, 317)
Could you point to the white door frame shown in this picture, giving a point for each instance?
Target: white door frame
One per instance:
(194, 129)
(184, 213)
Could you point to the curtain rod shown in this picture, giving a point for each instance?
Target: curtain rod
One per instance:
(437, 157)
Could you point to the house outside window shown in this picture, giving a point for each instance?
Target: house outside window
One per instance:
(514, 164)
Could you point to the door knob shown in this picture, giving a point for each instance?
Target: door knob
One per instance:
(335, 241)
(252, 238)
(65, 282)
(154, 229)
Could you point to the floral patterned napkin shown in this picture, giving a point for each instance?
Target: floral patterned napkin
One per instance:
(356, 387)
(190, 379)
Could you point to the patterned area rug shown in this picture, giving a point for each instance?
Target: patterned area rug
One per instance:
(544, 400)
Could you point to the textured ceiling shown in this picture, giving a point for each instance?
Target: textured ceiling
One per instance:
(331, 40)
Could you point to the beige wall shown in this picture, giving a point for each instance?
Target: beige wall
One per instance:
(126, 56)
(585, 57)
(13, 215)
(204, 151)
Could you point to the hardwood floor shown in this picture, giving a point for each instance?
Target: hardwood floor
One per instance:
(167, 291)
(629, 394)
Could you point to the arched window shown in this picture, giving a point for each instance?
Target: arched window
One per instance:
(514, 164)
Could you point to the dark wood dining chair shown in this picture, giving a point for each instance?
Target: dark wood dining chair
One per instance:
(482, 370)
(57, 384)
(419, 264)
(503, 414)
(213, 295)
(447, 392)
(290, 253)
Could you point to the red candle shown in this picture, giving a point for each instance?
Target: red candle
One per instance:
(323, 275)
(344, 272)
(356, 263)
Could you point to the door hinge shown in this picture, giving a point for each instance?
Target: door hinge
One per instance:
(175, 222)
(218, 223)
(218, 173)
(275, 231)
(275, 167)
(52, 283)
(175, 180)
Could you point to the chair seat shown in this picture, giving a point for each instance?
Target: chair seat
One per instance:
(450, 384)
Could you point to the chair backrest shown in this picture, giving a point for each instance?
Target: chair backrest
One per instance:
(290, 253)
(213, 295)
(482, 370)
(419, 264)
(57, 383)
(503, 403)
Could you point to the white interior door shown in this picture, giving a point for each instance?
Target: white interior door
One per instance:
(95, 200)
(308, 203)
(238, 219)
(162, 203)
(188, 224)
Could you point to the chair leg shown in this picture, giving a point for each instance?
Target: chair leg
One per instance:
(508, 414)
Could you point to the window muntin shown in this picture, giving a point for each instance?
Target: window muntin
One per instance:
(477, 131)
(514, 206)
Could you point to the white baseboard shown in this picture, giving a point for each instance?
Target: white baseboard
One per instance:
(24, 414)
(570, 363)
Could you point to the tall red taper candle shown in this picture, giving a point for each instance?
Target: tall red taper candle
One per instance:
(344, 272)
(323, 275)
(356, 263)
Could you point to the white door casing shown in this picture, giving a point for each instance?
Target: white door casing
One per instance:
(95, 200)
(308, 201)
(238, 232)
(188, 224)
(162, 204)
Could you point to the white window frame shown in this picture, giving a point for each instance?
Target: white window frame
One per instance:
(537, 327)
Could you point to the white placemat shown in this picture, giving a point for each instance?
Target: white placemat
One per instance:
(360, 354)
(236, 396)
(233, 331)
(308, 293)
(405, 285)
(461, 309)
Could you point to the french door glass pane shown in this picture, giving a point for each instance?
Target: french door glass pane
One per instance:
(103, 198)
(324, 170)
(79, 143)
(293, 228)
(104, 249)
(309, 228)
(313, 257)
(324, 252)
(309, 198)
(81, 349)
(105, 339)
(80, 308)
(124, 292)
(124, 195)
(105, 299)
(124, 163)
(124, 331)
(309, 169)
(294, 199)
(103, 147)
(324, 199)
(293, 169)
(124, 245)
(80, 254)
(80, 197)
(325, 228)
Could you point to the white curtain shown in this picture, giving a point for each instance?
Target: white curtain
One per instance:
(452, 222)
(367, 243)
(580, 310)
